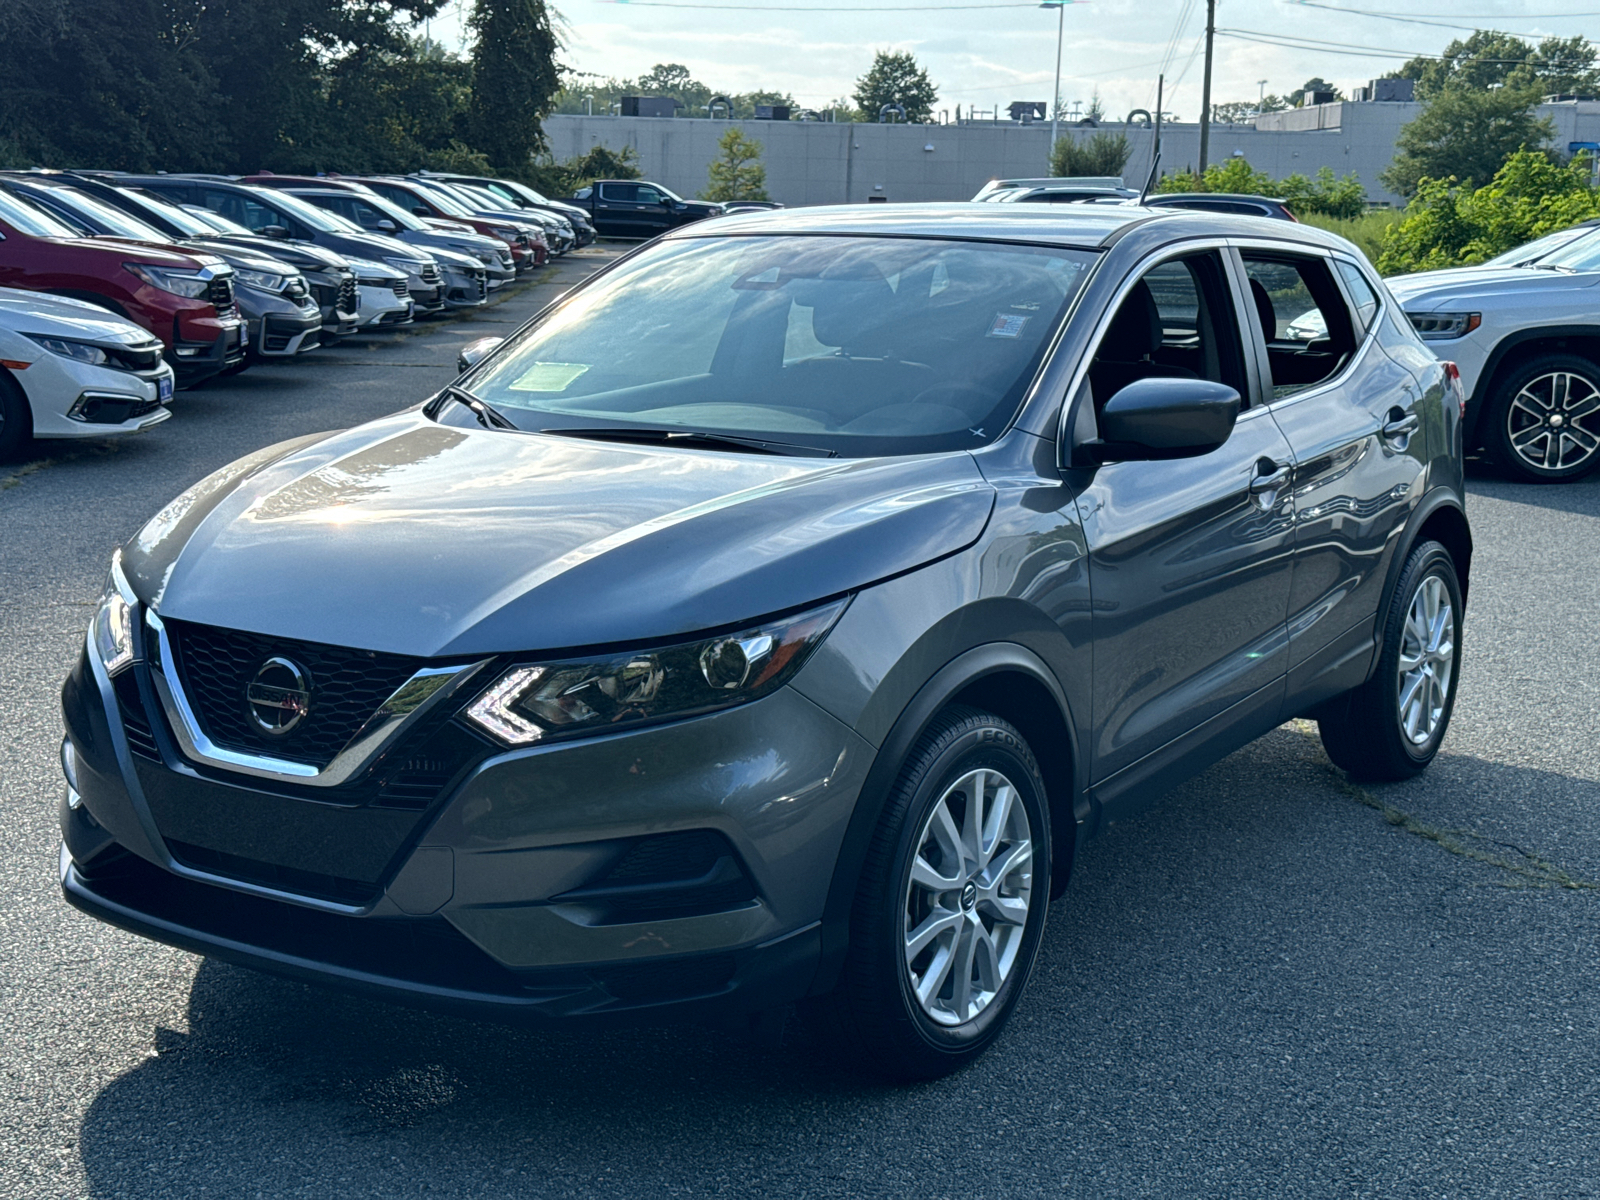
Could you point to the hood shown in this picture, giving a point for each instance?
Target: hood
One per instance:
(35, 312)
(410, 537)
(453, 245)
(700, 206)
(303, 255)
(147, 253)
(375, 245)
(248, 260)
(1436, 291)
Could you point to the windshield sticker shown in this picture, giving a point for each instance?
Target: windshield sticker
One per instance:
(548, 377)
(1007, 325)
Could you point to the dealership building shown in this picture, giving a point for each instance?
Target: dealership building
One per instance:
(822, 162)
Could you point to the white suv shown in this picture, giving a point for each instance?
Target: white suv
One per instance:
(1527, 342)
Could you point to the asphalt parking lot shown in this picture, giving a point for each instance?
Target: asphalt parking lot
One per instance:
(1271, 983)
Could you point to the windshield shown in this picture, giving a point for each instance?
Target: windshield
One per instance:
(479, 200)
(181, 219)
(446, 201)
(28, 219)
(216, 221)
(523, 190)
(858, 345)
(114, 220)
(1538, 249)
(1582, 254)
(308, 214)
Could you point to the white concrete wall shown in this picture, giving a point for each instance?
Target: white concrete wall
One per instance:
(811, 162)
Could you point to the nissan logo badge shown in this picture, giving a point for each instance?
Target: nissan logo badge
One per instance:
(279, 696)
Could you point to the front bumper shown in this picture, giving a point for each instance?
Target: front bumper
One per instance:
(381, 307)
(284, 329)
(53, 385)
(195, 360)
(509, 893)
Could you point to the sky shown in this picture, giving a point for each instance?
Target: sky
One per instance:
(987, 53)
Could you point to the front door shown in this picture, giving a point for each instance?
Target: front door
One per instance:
(1189, 559)
(1353, 419)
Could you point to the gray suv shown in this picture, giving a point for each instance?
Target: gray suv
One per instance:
(770, 619)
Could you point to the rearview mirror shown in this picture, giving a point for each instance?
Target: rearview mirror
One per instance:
(1165, 418)
(474, 353)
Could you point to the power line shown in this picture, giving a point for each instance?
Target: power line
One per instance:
(901, 8)
(1382, 16)
(1290, 42)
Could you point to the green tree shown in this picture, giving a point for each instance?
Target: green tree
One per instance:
(1104, 153)
(1491, 59)
(1448, 224)
(562, 179)
(514, 79)
(738, 173)
(895, 78)
(1465, 133)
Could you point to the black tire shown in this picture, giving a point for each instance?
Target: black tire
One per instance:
(16, 418)
(1364, 731)
(1519, 439)
(874, 1017)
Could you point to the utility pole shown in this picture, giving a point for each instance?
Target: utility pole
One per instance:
(1205, 87)
(1055, 98)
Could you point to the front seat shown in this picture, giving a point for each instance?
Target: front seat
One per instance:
(1126, 351)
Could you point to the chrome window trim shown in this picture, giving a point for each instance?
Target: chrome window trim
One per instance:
(411, 701)
(1069, 407)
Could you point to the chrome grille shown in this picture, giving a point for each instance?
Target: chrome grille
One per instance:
(220, 293)
(402, 289)
(430, 273)
(349, 298)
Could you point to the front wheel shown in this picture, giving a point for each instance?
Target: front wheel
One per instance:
(1543, 419)
(951, 904)
(1391, 727)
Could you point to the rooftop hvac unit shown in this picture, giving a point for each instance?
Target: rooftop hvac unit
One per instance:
(772, 112)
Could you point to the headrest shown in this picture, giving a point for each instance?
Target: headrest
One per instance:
(1264, 310)
(1135, 331)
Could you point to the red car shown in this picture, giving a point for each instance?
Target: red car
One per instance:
(183, 298)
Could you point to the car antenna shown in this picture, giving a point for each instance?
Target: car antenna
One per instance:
(1155, 158)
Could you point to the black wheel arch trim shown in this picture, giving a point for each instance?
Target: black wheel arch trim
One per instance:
(1503, 350)
(960, 673)
(1437, 500)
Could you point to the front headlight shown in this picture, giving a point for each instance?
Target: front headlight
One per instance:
(535, 701)
(1439, 327)
(265, 280)
(406, 266)
(84, 352)
(112, 628)
(504, 231)
(179, 283)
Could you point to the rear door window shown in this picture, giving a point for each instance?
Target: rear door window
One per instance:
(1303, 317)
(620, 193)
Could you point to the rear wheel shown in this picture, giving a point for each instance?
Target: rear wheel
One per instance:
(951, 904)
(1543, 419)
(1391, 727)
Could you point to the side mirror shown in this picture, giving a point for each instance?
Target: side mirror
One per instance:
(386, 226)
(274, 231)
(420, 211)
(1164, 418)
(474, 353)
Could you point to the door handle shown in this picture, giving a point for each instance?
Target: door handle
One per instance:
(1270, 477)
(1398, 427)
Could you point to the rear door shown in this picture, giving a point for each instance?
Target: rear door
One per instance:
(1190, 559)
(616, 209)
(1353, 419)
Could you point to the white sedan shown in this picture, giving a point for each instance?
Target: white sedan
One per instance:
(69, 369)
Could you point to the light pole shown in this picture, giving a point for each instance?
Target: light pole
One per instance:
(1055, 97)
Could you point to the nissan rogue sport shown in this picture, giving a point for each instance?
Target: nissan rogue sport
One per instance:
(771, 618)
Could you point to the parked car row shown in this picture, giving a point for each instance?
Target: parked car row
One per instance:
(117, 289)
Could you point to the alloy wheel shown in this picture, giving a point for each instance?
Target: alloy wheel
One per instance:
(967, 896)
(1427, 660)
(1553, 422)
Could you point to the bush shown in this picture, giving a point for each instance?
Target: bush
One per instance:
(1366, 231)
(562, 179)
(1102, 154)
(1449, 224)
(1326, 195)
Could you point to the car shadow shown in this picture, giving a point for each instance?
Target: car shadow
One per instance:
(1223, 962)
(1580, 497)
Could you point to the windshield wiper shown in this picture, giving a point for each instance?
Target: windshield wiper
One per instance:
(692, 437)
(488, 416)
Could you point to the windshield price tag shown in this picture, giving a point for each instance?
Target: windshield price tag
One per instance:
(1008, 325)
